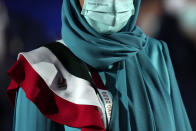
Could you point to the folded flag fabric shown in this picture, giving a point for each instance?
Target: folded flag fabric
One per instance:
(61, 86)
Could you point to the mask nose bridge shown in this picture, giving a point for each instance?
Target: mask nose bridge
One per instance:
(108, 5)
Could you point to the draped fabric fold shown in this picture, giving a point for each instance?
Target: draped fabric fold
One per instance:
(79, 35)
(142, 81)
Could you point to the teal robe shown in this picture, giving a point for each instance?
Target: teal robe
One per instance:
(28, 117)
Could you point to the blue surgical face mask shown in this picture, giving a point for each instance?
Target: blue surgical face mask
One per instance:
(107, 16)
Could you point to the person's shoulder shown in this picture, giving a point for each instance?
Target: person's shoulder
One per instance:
(157, 47)
(158, 55)
(48, 60)
(156, 43)
(51, 53)
(45, 51)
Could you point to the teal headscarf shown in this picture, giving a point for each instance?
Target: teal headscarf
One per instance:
(141, 78)
(124, 44)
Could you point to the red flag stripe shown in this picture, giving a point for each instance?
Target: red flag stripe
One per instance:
(86, 117)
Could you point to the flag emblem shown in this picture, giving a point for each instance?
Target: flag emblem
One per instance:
(61, 82)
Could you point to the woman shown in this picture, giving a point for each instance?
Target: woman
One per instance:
(105, 74)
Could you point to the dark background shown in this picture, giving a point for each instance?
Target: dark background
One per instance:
(24, 24)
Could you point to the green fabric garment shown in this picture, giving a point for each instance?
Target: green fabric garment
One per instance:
(141, 78)
(148, 106)
(27, 117)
